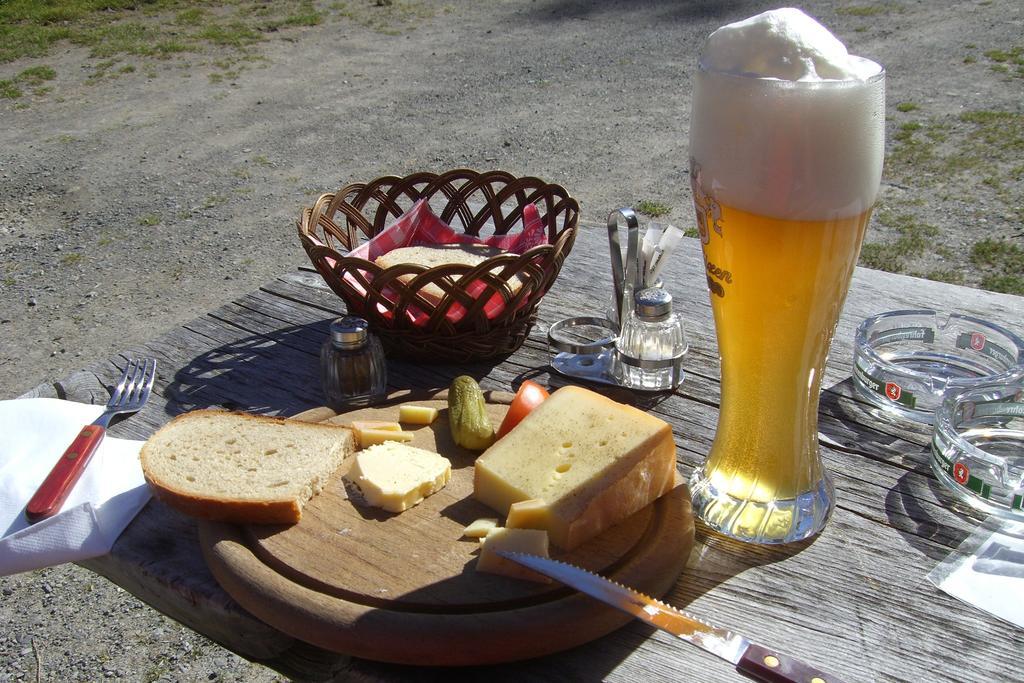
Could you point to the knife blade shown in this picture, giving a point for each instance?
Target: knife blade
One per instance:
(753, 660)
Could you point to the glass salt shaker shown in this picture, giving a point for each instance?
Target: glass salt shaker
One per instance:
(652, 343)
(352, 365)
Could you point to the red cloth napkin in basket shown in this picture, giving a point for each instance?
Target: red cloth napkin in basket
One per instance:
(420, 226)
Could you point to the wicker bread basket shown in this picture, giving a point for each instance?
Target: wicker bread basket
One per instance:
(458, 327)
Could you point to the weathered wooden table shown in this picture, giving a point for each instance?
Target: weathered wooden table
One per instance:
(854, 601)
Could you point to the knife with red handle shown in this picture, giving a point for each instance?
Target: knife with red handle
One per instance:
(752, 660)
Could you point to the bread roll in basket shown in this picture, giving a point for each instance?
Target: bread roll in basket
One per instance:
(453, 311)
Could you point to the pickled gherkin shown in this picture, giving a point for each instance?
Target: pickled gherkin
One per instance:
(467, 414)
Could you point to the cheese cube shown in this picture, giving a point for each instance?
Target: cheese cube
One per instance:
(417, 415)
(396, 477)
(479, 528)
(529, 514)
(592, 461)
(533, 541)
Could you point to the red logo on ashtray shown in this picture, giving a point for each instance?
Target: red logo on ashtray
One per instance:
(893, 391)
(977, 341)
(961, 473)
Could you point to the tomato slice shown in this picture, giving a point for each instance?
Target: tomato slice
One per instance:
(529, 396)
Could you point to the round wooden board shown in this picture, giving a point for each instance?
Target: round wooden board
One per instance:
(403, 587)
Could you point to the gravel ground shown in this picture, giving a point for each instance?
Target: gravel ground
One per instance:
(135, 203)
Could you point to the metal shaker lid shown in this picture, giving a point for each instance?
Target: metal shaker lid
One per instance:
(349, 332)
(652, 304)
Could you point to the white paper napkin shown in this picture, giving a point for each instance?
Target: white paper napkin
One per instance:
(33, 434)
(987, 570)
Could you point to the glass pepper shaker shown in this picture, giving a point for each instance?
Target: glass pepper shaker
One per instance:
(652, 343)
(352, 365)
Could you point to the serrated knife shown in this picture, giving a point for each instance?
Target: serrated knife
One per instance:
(752, 660)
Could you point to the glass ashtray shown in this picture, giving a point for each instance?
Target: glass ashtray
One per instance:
(904, 361)
(584, 348)
(978, 447)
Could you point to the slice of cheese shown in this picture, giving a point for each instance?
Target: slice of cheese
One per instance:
(359, 425)
(591, 461)
(533, 541)
(417, 415)
(396, 477)
(478, 528)
(372, 437)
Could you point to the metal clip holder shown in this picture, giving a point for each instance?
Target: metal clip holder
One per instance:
(584, 346)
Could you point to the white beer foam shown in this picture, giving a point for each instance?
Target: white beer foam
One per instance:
(786, 123)
(785, 44)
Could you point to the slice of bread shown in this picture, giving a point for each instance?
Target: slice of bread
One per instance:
(235, 467)
(434, 255)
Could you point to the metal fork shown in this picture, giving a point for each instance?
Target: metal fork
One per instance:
(129, 396)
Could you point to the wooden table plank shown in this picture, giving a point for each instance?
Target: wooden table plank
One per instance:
(854, 601)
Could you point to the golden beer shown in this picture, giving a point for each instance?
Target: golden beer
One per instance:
(777, 288)
(784, 176)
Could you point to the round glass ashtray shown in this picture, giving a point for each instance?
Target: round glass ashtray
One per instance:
(905, 361)
(584, 348)
(978, 447)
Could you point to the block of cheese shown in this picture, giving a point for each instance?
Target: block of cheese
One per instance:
(417, 415)
(533, 541)
(592, 461)
(395, 477)
(478, 528)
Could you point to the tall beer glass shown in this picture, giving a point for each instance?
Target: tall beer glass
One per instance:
(784, 177)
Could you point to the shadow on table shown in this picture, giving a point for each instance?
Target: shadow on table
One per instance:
(916, 505)
(275, 372)
(278, 372)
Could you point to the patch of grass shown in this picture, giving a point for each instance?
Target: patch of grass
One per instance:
(913, 239)
(150, 219)
(1003, 263)
(193, 16)
(924, 150)
(9, 90)
(160, 28)
(390, 18)
(72, 258)
(906, 107)
(261, 160)
(953, 277)
(234, 34)
(1007, 61)
(999, 132)
(1007, 284)
(997, 253)
(880, 257)
(37, 75)
(652, 208)
(33, 76)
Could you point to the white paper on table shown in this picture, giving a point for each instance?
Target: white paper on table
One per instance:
(34, 433)
(987, 570)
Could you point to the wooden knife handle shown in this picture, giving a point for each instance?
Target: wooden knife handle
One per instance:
(57, 486)
(763, 664)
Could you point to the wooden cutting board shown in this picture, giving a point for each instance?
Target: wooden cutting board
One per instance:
(403, 587)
